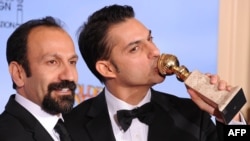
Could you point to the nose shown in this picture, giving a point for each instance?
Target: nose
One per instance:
(68, 72)
(154, 52)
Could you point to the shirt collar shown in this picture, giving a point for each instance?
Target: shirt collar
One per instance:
(46, 119)
(115, 104)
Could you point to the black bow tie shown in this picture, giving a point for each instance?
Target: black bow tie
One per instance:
(143, 113)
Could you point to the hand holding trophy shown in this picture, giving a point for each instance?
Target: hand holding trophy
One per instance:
(228, 103)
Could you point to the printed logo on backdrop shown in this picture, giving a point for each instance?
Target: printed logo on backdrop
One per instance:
(11, 13)
(85, 92)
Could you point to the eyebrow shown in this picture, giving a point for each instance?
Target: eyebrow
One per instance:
(75, 56)
(137, 41)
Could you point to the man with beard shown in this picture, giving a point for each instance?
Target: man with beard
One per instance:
(42, 63)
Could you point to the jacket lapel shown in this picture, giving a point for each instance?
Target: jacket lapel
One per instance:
(169, 121)
(100, 127)
(162, 125)
(29, 122)
(40, 134)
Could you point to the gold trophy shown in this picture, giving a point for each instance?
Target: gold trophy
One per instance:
(228, 103)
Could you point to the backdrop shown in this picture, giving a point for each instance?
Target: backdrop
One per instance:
(187, 29)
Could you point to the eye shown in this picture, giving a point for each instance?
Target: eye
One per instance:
(52, 62)
(73, 62)
(134, 49)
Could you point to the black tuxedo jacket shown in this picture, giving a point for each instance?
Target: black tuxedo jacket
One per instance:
(176, 119)
(17, 124)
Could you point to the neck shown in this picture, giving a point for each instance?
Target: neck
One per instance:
(130, 95)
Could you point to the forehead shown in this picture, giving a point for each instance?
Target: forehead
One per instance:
(127, 31)
(44, 40)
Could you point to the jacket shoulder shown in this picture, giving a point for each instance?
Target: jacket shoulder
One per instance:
(11, 129)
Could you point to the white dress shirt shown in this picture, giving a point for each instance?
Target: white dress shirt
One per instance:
(47, 120)
(137, 131)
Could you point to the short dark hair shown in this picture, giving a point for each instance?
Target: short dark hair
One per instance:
(92, 39)
(17, 42)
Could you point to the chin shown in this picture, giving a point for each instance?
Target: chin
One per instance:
(158, 80)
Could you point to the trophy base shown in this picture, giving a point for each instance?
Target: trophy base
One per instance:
(227, 103)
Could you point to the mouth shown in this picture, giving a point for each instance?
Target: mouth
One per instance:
(62, 88)
(63, 91)
(156, 69)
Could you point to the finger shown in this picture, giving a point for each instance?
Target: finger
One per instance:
(222, 85)
(213, 78)
(229, 88)
(208, 74)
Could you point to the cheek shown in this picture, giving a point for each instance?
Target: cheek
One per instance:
(76, 76)
(138, 65)
(36, 88)
(132, 71)
(134, 67)
(41, 82)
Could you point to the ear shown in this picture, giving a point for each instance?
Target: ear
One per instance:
(17, 73)
(105, 69)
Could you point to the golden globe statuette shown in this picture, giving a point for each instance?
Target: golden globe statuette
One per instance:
(228, 103)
